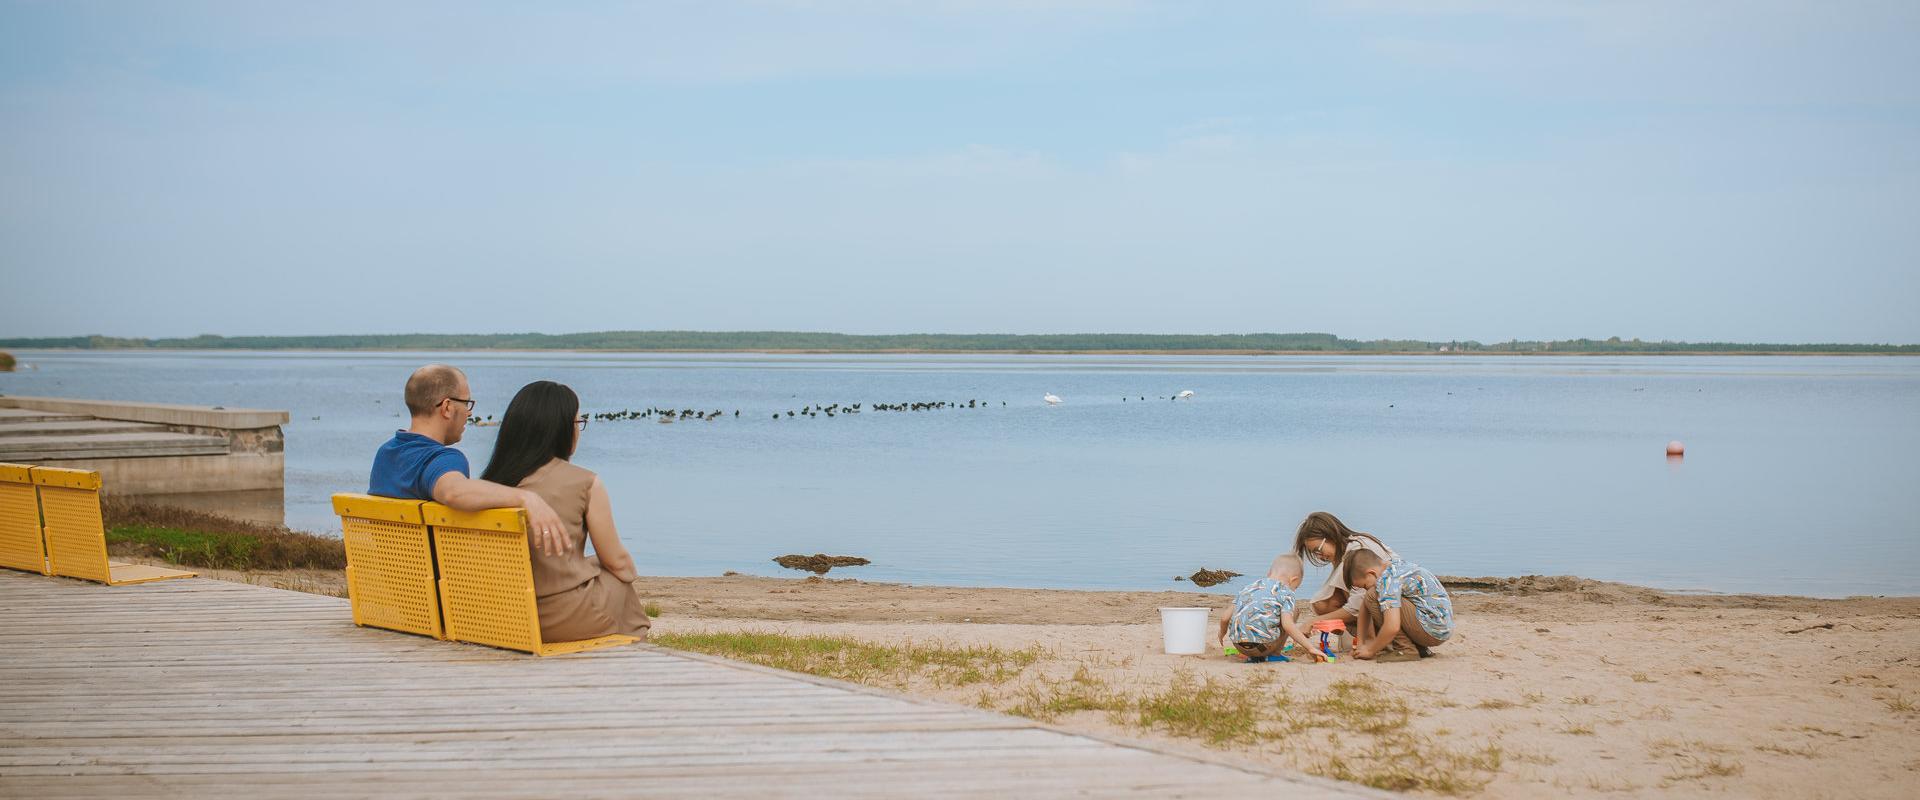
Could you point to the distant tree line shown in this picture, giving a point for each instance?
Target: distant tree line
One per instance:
(925, 342)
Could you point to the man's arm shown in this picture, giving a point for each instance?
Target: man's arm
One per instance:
(467, 494)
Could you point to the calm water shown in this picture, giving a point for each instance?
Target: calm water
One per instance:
(1800, 476)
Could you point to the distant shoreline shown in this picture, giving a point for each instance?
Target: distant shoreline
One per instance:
(997, 344)
(944, 352)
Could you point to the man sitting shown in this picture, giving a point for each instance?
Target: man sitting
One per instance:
(418, 464)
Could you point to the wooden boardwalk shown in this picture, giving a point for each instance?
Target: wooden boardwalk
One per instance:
(200, 688)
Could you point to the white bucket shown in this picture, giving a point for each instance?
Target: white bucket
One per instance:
(1183, 631)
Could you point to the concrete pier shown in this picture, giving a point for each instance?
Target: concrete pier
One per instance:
(148, 448)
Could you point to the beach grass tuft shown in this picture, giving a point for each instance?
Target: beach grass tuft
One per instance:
(1048, 700)
(1807, 750)
(842, 658)
(1216, 711)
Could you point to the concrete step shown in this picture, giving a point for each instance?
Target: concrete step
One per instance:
(9, 428)
(29, 415)
(30, 449)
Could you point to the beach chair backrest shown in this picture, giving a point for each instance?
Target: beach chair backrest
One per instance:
(390, 575)
(486, 576)
(75, 533)
(22, 543)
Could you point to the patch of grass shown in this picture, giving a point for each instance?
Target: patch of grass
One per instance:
(1597, 784)
(652, 610)
(1691, 768)
(1580, 700)
(1397, 759)
(1802, 750)
(1413, 763)
(1683, 747)
(1641, 677)
(1692, 759)
(1495, 704)
(1525, 757)
(1900, 704)
(198, 539)
(221, 550)
(1051, 700)
(1352, 704)
(1213, 710)
(1577, 730)
(1661, 713)
(853, 660)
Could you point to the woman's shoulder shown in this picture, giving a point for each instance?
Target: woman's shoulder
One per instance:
(560, 471)
(571, 471)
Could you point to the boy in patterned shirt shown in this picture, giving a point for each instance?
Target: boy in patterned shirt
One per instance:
(1412, 602)
(1263, 613)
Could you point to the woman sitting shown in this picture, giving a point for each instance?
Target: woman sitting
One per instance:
(580, 596)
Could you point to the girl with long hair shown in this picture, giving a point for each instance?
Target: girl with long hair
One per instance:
(1326, 541)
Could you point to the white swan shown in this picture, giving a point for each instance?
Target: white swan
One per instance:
(1051, 400)
(1185, 394)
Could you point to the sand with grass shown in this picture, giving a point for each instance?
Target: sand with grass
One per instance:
(1556, 686)
(1550, 685)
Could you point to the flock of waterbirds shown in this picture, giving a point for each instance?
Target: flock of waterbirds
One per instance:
(812, 410)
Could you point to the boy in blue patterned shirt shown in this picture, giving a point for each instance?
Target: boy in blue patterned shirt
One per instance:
(1412, 602)
(1262, 614)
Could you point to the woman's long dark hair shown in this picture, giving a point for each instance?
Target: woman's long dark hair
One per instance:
(537, 428)
(1322, 525)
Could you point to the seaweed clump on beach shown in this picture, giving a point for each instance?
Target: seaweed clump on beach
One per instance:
(819, 563)
(1212, 577)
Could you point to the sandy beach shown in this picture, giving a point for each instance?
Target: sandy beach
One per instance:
(1550, 686)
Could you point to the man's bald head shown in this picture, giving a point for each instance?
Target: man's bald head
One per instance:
(431, 384)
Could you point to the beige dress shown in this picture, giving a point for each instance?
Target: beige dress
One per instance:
(578, 599)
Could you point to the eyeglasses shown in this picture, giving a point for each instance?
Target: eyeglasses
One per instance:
(580, 422)
(469, 401)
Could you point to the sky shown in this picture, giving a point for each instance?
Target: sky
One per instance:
(1726, 171)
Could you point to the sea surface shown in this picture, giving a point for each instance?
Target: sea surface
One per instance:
(1801, 475)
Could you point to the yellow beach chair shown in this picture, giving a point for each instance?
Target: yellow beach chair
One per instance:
(22, 545)
(389, 564)
(77, 537)
(486, 582)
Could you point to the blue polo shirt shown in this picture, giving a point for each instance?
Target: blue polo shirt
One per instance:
(409, 464)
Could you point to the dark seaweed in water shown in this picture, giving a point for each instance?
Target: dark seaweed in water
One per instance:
(1212, 577)
(818, 564)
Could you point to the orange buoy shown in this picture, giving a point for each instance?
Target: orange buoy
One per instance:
(1675, 448)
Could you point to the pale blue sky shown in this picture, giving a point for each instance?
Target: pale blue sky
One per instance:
(1694, 170)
